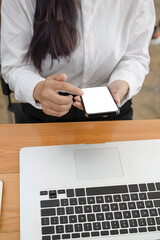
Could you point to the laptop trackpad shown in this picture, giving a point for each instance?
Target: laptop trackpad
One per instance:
(98, 163)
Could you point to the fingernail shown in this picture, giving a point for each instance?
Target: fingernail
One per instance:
(81, 92)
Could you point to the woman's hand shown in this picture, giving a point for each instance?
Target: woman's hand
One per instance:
(46, 93)
(119, 89)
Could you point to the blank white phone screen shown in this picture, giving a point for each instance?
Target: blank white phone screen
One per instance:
(98, 100)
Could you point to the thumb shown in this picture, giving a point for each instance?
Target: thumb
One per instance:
(59, 77)
(116, 97)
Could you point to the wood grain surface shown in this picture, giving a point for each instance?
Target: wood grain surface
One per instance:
(14, 137)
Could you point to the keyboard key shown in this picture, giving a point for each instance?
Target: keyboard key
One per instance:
(54, 220)
(114, 232)
(133, 230)
(64, 202)
(70, 193)
(153, 212)
(151, 187)
(61, 191)
(143, 187)
(107, 190)
(143, 196)
(117, 215)
(151, 229)
(104, 233)
(123, 206)
(105, 207)
(117, 198)
(135, 214)
(100, 216)
(150, 221)
(82, 201)
(96, 226)
(131, 205)
(91, 217)
(144, 229)
(87, 227)
(42, 193)
(142, 222)
(82, 218)
(46, 238)
(90, 200)
(114, 206)
(63, 219)
(78, 228)
(106, 225)
(140, 204)
(69, 210)
(69, 228)
(96, 208)
(60, 229)
(149, 204)
(45, 221)
(65, 236)
(134, 197)
(126, 214)
(47, 230)
(157, 203)
(115, 224)
(48, 212)
(144, 213)
(60, 211)
(80, 192)
(73, 201)
(75, 235)
(158, 186)
(158, 220)
(109, 215)
(124, 223)
(133, 188)
(123, 231)
(87, 209)
(94, 234)
(125, 197)
(56, 237)
(133, 223)
(99, 199)
(78, 209)
(108, 199)
(52, 194)
(154, 195)
(50, 203)
(85, 234)
(73, 219)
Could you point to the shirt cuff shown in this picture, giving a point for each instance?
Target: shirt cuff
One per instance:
(24, 92)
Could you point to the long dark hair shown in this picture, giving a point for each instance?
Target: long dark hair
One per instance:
(55, 31)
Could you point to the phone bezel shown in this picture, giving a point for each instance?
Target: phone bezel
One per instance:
(101, 114)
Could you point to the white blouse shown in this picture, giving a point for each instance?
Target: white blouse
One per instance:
(114, 40)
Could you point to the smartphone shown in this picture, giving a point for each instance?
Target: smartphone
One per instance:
(98, 101)
(1, 190)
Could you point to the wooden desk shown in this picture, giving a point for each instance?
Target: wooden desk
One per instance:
(14, 137)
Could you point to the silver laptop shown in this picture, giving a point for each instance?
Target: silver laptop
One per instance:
(91, 191)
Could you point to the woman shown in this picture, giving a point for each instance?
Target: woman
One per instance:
(65, 45)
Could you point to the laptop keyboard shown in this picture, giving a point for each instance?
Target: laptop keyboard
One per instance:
(100, 211)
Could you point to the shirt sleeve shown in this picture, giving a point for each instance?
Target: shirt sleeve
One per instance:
(134, 65)
(17, 31)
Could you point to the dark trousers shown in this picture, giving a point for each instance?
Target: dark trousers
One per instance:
(33, 115)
